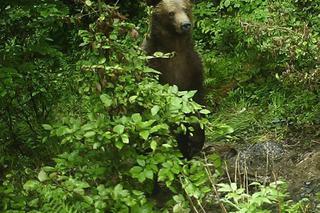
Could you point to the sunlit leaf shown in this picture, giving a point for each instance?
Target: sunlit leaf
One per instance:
(30, 185)
(47, 126)
(155, 109)
(153, 145)
(42, 176)
(144, 134)
(88, 3)
(125, 138)
(118, 129)
(89, 134)
(106, 100)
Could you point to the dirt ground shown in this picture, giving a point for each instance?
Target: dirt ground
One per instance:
(293, 160)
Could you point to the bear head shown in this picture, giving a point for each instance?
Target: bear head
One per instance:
(172, 16)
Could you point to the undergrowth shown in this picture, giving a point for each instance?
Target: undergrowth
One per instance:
(87, 128)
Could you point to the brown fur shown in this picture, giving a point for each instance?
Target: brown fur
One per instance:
(184, 69)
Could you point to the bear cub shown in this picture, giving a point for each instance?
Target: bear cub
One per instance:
(171, 28)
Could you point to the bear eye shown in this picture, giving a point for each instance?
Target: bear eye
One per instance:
(171, 13)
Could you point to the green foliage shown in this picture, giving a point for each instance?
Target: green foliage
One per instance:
(265, 55)
(263, 200)
(87, 128)
(117, 137)
(32, 73)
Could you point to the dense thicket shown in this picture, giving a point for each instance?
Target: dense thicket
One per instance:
(265, 55)
(86, 127)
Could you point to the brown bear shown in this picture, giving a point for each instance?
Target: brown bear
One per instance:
(171, 28)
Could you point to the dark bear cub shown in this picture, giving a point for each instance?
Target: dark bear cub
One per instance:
(171, 26)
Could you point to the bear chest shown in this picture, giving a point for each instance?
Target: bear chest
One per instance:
(176, 71)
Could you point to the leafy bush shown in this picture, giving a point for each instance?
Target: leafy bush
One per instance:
(32, 73)
(117, 139)
(264, 199)
(262, 53)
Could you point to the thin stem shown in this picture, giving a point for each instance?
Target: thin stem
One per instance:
(189, 198)
(213, 185)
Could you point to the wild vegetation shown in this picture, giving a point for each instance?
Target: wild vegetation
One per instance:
(86, 127)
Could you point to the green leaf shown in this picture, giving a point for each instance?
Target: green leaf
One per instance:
(87, 127)
(162, 55)
(141, 162)
(190, 189)
(233, 186)
(102, 60)
(63, 130)
(174, 89)
(159, 158)
(48, 169)
(178, 198)
(138, 193)
(155, 110)
(227, 3)
(224, 129)
(175, 169)
(118, 189)
(205, 111)
(34, 203)
(42, 176)
(167, 164)
(118, 129)
(150, 70)
(96, 145)
(102, 190)
(106, 100)
(223, 187)
(88, 199)
(119, 144)
(136, 170)
(153, 145)
(178, 208)
(107, 135)
(186, 108)
(30, 185)
(159, 127)
(144, 134)
(133, 98)
(205, 189)
(164, 174)
(148, 174)
(113, 37)
(89, 134)
(88, 3)
(136, 117)
(216, 159)
(176, 103)
(146, 124)
(125, 138)
(141, 177)
(82, 184)
(100, 204)
(47, 126)
(189, 94)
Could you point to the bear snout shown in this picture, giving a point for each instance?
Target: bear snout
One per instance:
(185, 27)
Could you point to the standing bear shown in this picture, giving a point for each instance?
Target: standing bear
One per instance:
(171, 28)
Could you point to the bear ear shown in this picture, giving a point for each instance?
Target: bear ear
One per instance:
(152, 2)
